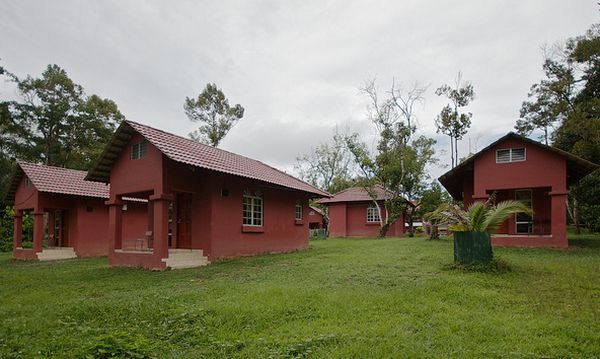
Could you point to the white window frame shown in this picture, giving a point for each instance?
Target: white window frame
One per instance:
(27, 182)
(136, 150)
(510, 154)
(253, 203)
(530, 201)
(298, 206)
(373, 215)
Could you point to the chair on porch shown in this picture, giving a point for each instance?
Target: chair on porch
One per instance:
(148, 240)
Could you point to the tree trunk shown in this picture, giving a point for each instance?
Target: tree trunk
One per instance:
(452, 150)
(384, 229)
(435, 233)
(409, 219)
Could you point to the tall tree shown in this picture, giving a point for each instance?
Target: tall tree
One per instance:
(397, 165)
(212, 110)
(451, 121)
(568, 101)
(327, 166)
(55, 122)
(550, 101)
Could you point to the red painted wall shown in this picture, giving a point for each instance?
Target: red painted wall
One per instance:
(541, 169)
(349, 219)
(129, 176)
(315, 219)
(135, 224)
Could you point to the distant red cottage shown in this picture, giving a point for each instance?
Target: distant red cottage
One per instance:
(352, 213)
(515, 167)
(315, 218)
(69, 216)
(202, 203)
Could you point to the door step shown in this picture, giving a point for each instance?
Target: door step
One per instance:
(186, 258)
(57, 253)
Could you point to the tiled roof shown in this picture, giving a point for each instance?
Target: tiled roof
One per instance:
(62, 180)
(355, 194)
(316, 209)
(184, 150)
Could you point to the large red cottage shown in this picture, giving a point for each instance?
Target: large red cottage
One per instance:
(202, 203)
(515, 167)
(352, 213)
(69, 216)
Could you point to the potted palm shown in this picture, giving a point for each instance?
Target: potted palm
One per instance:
(472, 228)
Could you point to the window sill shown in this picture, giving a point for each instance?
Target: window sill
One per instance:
(299, 222)
(253, 229)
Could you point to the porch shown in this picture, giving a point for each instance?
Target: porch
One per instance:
(545, 228)
(47, 238)
(152, 231)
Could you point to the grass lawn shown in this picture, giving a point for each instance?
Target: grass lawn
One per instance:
(342, 298)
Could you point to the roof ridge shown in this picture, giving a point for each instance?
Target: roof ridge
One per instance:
(21, 162)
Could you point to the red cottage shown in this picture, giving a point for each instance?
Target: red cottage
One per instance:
(352, 213)
(315, 218)
(515, 167)
(202, 203)
(69, 216)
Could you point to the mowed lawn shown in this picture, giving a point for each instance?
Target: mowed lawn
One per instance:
(344, 298)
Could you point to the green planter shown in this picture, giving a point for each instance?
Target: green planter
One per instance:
(472, 247)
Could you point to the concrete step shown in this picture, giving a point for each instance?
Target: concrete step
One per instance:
(53, 254)
(186, 258)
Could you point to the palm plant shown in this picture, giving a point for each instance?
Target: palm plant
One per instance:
(472, 227)
(478, 217)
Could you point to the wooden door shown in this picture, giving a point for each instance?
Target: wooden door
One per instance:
(184, 220)
(61, 228)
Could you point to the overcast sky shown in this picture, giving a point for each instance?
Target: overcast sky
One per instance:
(295, 66)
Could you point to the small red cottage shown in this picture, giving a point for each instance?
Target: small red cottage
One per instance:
(515, 167)
(69, 216)
(352, 213)
(315, 218)
(202, 203)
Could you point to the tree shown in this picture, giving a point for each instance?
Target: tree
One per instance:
(397, 165)
(450, 121)
(211, 109)
(327, 166)
(431, 199)
(549, 101)
(56, 122)
(568, 101)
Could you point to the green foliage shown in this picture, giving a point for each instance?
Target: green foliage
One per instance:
(56, 122)
(212, 110)
(451, 121)
(587, 193)
(6, 229)
(342, 298)
(479, 216)
(398, 165)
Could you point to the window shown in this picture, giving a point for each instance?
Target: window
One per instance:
(298, 212)
(510, 155)
(523, 221)
(373, 214)
(138, 150)
(27, 182)
(253, 211)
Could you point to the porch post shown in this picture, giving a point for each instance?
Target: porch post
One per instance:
(558, 226)
(18, 229)
(160, 228)
(115, 221)
(38, 231)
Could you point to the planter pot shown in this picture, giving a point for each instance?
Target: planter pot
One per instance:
(472, 247)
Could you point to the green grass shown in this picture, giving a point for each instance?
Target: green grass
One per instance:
(343, 298)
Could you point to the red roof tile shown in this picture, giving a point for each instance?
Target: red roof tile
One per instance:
(190, 152)
(355, 194)
(62, 180)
